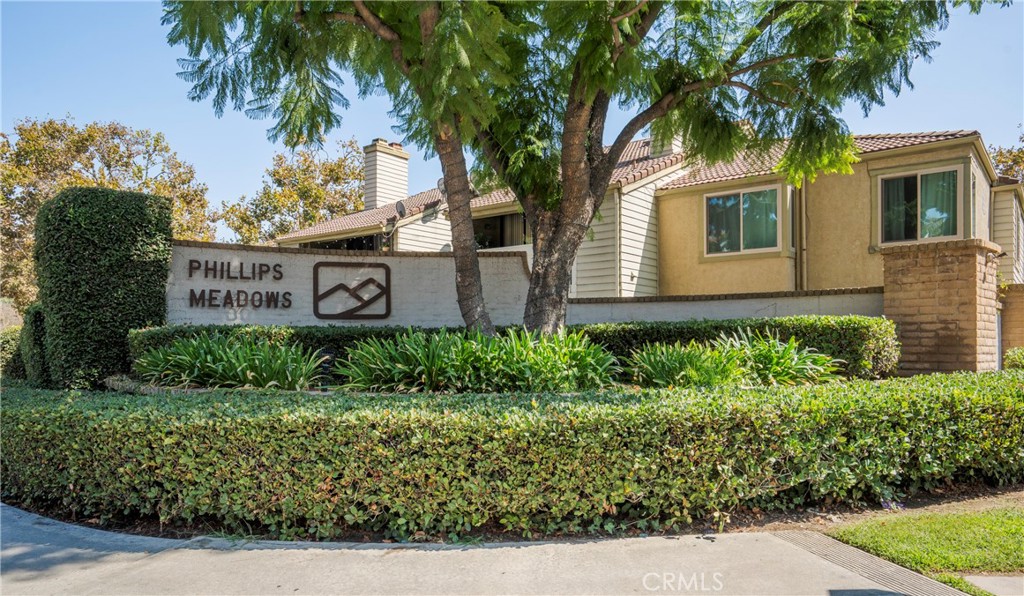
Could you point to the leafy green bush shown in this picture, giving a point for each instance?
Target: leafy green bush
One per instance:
(11, 364)
(1014, 358)
(867, 345)
(694, 365)
(299, 465)
(32, 347)
(771, 361)
(220, 361)
(102, 259)
(453, 362)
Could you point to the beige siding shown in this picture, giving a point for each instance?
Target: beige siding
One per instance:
(982, 201)
(638, 233)
(430, 232)
(1008, 233)
(387, 180)
(596, 263)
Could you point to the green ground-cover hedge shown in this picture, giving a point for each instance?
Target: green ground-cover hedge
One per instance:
(32, 347)
(867, 345)
(11, 364)
(298, 465)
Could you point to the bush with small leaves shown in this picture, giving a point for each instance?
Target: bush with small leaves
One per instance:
(299, 466)
(1014, 358)
(11, 364)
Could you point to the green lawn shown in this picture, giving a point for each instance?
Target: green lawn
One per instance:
(942, 545)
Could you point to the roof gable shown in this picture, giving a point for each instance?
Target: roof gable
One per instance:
(635, 164)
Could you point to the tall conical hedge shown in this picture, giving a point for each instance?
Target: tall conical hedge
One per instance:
(102, 259)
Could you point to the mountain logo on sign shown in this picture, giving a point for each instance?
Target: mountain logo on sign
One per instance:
(351, 291)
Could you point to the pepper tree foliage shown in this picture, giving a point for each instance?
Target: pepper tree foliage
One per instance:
(435, 61)
(722, 76)
(530, 85)
(301, 189)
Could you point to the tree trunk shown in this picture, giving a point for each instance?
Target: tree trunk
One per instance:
(557, 237)
(467, 264)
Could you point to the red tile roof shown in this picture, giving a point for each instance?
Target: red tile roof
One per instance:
(415, 204)
(635, 164)
(748, 164)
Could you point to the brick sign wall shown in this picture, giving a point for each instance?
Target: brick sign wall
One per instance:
(227, 284)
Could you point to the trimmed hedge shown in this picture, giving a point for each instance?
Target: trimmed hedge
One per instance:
(1014, 358)
(32, 346)
(867, 345)
(102, 259)
(299, 465)
(11, 364)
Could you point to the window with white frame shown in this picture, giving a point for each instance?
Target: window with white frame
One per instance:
(920, 205)
(742, 222)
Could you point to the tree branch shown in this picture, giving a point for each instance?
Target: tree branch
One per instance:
(345, 18)
(757, 93)
(629, 13)
(428, 21)
(760, 64)
(653, 112)
(755, 32)
(598, 118)
(373, 22)
(365, 18)
(642, 28)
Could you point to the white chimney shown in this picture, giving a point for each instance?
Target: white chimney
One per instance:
(662, 148)
(386, 170)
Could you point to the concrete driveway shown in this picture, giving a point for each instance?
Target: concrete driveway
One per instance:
(42, 556)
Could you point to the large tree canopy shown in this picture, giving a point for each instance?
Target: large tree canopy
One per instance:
(43, 157)
(530, 86)
(301, 189)
(434, 60)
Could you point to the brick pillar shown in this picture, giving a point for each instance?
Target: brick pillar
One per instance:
(943, 299)
(1013, 317)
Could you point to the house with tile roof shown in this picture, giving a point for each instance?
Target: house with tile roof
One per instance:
(670, 226)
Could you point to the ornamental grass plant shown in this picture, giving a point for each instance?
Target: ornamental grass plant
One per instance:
(458, 362)
(230, 362)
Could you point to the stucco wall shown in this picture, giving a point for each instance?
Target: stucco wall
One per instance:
(838, 220)
(422, 290)
(842, 216)
(683, 269)
(866, 301)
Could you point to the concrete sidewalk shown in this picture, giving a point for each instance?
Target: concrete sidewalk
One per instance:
(40, 555)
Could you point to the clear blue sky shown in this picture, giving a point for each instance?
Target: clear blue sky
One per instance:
(110, 61)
